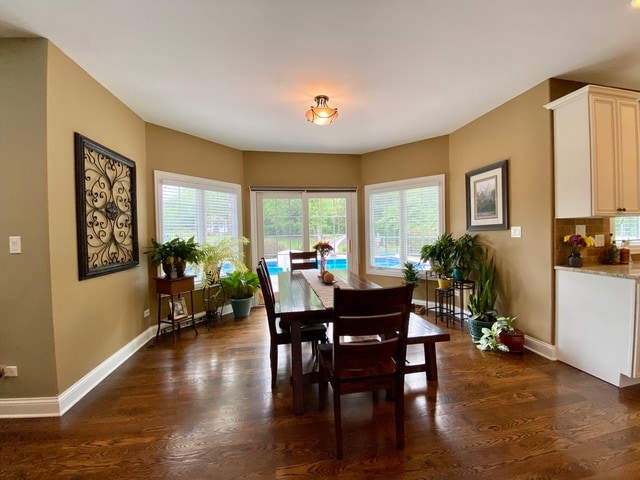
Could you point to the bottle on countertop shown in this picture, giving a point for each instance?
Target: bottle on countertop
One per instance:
(613, 253)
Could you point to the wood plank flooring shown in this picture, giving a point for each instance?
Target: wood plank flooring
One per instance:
(204, 409)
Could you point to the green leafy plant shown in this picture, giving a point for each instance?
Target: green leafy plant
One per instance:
(489, 339)
(440, 255)
(410, 273)
(175, 250)
(214, 254)
(482, 304)
(240, 284)
(466, 254)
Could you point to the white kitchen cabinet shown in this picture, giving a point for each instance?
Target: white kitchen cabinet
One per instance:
(597, 325)
(597, 152)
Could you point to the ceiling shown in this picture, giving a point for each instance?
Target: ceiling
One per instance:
(242, 73)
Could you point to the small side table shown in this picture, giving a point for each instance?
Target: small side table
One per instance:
(445, 304)
(172, 287)
(461, 286)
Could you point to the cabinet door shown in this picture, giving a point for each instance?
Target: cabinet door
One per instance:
(628, 150)
(603, 151)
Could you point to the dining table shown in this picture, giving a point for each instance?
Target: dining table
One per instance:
(304, 299)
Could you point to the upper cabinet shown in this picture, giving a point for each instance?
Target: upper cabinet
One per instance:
(597, 152)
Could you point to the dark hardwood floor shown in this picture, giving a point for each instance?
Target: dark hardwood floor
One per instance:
(204, 409)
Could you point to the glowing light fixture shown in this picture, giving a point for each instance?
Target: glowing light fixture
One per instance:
(321, 114)
(635, 3)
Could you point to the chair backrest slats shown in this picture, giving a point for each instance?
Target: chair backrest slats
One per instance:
(303, 260)
(381, 311)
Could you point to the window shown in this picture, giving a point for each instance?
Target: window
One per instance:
(627, 228)
(401, 217)
(196, 207)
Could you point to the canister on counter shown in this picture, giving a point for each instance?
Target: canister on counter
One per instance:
(624, 252)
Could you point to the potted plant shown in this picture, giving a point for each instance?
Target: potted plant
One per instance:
(509, 335)
(465, 255)
(502, 336)
(410, 274)
(490, 339)
(481, 304)
(214, 256)
(174, 255)
(440, 256)
(239, 287)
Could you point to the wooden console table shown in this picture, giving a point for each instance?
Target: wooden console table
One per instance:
(170, 288)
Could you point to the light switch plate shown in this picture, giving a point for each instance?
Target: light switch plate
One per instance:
(516, 232)
(581, 230)
(15, 245)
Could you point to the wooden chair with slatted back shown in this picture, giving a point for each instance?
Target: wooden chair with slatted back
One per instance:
(367, 365)
(303, 260)
(309, 333)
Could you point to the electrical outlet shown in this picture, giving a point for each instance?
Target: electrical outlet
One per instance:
(146, 312)
(10, 371)
(581, 230)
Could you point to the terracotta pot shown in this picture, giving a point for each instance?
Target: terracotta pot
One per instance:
(514, 340)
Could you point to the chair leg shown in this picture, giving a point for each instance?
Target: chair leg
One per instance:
(337, 420)
(322, 388)
(274, 364)
(399, 411)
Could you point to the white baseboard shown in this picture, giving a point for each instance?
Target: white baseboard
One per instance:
(57, 406)
(543, 349)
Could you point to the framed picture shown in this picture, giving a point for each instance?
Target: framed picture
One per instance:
(106, 219)
(487, 201)
(179, 308)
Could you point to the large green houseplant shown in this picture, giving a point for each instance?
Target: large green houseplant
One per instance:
(214, 255)
(239, 287)
(440, 257)
(174, 255)
(481, 304)
(465, 256)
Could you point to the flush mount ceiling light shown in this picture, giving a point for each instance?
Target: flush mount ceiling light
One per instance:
(635, 3)
(321, 114)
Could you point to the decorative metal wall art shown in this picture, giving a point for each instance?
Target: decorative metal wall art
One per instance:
(106, 210)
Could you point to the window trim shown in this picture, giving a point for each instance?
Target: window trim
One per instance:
(199, 183)
(394, 186)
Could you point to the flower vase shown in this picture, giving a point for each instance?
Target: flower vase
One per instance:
(575, 260)
(323, 265)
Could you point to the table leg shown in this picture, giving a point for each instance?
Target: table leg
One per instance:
(430, 360)
(296, 368)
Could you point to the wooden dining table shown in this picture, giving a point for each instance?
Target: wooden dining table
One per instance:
(305, 300)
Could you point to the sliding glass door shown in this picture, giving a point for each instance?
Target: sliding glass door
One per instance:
(296, 220)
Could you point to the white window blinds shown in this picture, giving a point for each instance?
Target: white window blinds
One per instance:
(401, 218)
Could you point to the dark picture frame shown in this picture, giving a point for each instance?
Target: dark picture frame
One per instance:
(487, 197)
(179, 308)
(106, 212)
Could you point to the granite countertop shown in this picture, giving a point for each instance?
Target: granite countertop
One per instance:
(631, 270)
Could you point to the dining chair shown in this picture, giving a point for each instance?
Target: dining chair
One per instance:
(381, 316)
(315, 333)
(303, 260)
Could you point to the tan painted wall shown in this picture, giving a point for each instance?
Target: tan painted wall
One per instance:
(417, 159)
(519, 131)
(93, 318)
(172, 151)
(25, 313)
